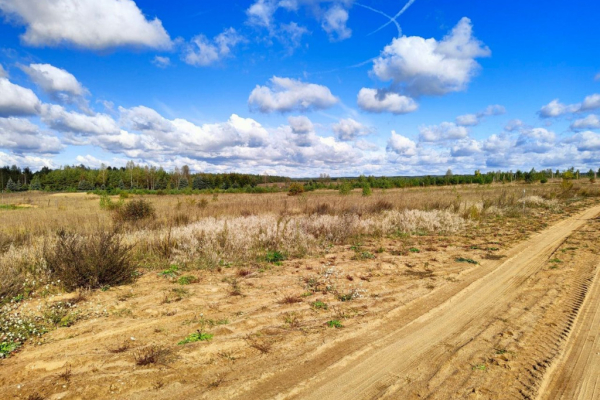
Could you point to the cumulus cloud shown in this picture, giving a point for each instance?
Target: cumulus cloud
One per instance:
(535, 140)
(161, 62)
(334, 23)
(58, 118)
(349, 129)
(34, 162)
(442, 132)
(286, 94)
(586, 141)
(514, 125)
(22, 136)
(260, 13)
(475, 119)
(556, 109)
(590, 122)
(202, 52)
(590, 102)
(465, 148)
(88, 24)
(430, 67)
(379, 101)
(401, 145)
(54, 80)
(16, 100)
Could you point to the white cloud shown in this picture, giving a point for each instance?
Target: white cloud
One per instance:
(536, 140)
(401, 145)
(497, 143)
(514, 125)
(261, 13)
(54, 80)
(555, 108)
(334, 23)
(586, 141)
(21, 136)
(591, 102)
(590, 122)
(465, 148)
(56, 117)
(34, 162)
(442, 132)
(376, 101)
(288, 94)
(3, 73)
(349, 129)
(88, 24)
(428, 67)
(303, 131)
(475, 119)
(161, 62)
(202, 52)
(16, 100)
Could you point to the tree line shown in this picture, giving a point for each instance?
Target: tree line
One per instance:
(153, 179)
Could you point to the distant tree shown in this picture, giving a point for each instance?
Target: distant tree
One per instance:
(366, 190)
(199, 183)
(35, 184)
(449, 173)
(183, 183)
(12, 186)
(121, 185)
(295, 189)
(85, 186)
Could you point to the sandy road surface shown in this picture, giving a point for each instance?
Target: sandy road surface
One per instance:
(577, 375)
(414, 352)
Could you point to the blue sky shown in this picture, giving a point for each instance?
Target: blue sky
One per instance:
(301, 87)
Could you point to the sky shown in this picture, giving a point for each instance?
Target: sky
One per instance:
(301, 87)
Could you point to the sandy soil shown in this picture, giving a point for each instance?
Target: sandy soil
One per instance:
(521, 323)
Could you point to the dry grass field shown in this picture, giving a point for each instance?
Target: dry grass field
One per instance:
(449, 292)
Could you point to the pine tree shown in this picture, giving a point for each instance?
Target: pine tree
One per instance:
(121, 185)
(183, 183)
(11, 186)
(199, 183)
(35, 184)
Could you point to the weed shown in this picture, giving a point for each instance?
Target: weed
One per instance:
(334, 323)
(120, 348)
(264, 346)
(66, 374)
(479, 367)
(133, 211)
(275, 257)
(228, 355)
(292, 319)
(319, 305)
(236, 289)
(197, 336)
(187, 279)
(466, 260)
(149, 355)
(7, 347)
(414, 250)
(290, 299)
(170, 272)
(556, 261)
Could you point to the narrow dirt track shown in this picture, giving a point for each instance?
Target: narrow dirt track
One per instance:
(577, 374)
(412, 353)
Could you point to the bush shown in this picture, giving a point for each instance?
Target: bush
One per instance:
(135, 210)
(345, 188)
(543, 180)
(296, 189)
(366, 190)
(90, 261)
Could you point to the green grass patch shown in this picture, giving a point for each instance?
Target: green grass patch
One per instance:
(187, 279)
(334, 323)
(198, 336)
(319, 305)
(414, 250)
(7, 347)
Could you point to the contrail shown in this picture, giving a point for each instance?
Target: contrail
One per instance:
(410, 2)
(384, 14)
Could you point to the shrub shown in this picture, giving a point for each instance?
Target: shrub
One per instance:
(91, 261)
(366, 190)
(381, 206)
(135, 210)
(543, 180)
(296, 189)
(345, 188)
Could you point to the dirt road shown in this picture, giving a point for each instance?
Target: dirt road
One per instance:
(491, 335)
